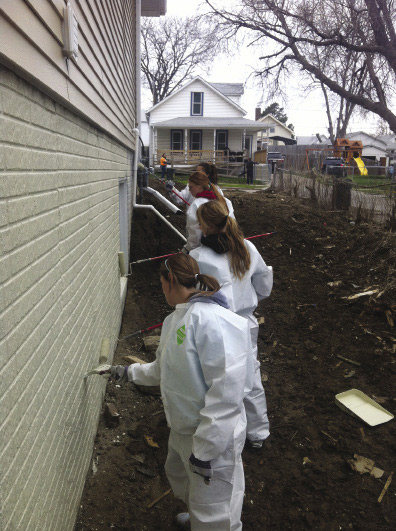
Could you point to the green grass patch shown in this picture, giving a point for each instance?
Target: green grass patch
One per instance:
(372, 184)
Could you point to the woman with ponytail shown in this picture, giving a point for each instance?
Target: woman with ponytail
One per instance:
(203, 191)
(245, 279)
(206, 167)
(202, 366)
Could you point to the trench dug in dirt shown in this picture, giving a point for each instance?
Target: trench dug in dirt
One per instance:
(302, 477)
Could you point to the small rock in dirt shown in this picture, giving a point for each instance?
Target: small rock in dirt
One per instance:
(133, 428)
(112, 417)
(151, 343)
(147, 471)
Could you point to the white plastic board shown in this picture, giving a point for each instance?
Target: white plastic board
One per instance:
(358, 404)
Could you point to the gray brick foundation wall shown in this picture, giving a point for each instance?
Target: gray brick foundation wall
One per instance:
(60, 295)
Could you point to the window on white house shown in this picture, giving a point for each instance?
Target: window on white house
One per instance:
(196, 140)
(197, 103)
(272, 129)
(221, 140)
(177, 139)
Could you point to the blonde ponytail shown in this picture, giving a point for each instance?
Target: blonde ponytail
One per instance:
(212, 214)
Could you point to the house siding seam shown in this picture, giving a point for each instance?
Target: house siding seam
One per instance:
(60, 296)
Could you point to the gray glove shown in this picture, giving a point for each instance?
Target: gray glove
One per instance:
(202, 468)
(169, 185)
(119, 373)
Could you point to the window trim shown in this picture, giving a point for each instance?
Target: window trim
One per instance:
(192, 103)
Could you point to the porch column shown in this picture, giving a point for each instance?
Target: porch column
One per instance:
(185, 146)
(214, 146)
(155, 156)
(243, 142)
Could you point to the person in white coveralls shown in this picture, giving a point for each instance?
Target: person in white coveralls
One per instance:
(205, 167)
(204, 367)
(203, 191)
(245, 279)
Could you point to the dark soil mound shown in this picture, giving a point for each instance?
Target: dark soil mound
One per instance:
(302, 478)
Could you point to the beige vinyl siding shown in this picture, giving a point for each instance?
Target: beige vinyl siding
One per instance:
(179, 104)
(100, 85)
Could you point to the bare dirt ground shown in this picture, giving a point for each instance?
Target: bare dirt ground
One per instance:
(302, 477)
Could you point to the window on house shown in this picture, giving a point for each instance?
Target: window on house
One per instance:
(197, 103)
(196, 140)
(177, 139)
(272, 129)
(221, 140)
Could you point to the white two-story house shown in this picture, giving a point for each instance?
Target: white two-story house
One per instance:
(202, 121)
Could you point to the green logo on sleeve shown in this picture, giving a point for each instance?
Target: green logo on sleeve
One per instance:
(181, 334)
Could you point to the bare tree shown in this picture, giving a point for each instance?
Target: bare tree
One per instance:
(173, 51)
(343, 66)
(299, 30)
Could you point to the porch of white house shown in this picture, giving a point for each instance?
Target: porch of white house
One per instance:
(191, 146)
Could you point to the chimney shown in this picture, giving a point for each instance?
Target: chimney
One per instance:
(258, 113)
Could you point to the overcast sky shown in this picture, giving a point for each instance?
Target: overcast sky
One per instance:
(307, 113)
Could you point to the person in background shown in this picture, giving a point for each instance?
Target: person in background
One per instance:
(210, 170)
(206, 167)
(202, 367)
(202, 191)
(245, 279)
(164, 165)
(250, 171)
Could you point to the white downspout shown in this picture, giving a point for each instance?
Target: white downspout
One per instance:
(136, 130)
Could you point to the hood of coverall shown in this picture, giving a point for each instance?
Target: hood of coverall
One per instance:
(216, 298)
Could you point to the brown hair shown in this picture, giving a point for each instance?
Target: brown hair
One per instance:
(213, 214)
(201, 179)
(185, 272)
(210, 170)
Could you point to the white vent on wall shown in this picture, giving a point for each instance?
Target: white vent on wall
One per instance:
(71, 33)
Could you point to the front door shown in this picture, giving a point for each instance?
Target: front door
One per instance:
(248, 145)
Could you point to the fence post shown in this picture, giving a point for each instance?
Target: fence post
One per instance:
(341, 194)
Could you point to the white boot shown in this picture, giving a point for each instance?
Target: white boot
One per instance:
(182, 521)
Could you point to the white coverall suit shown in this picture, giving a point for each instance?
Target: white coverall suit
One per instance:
(243, 296)
(201, 368)
(194, 233)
